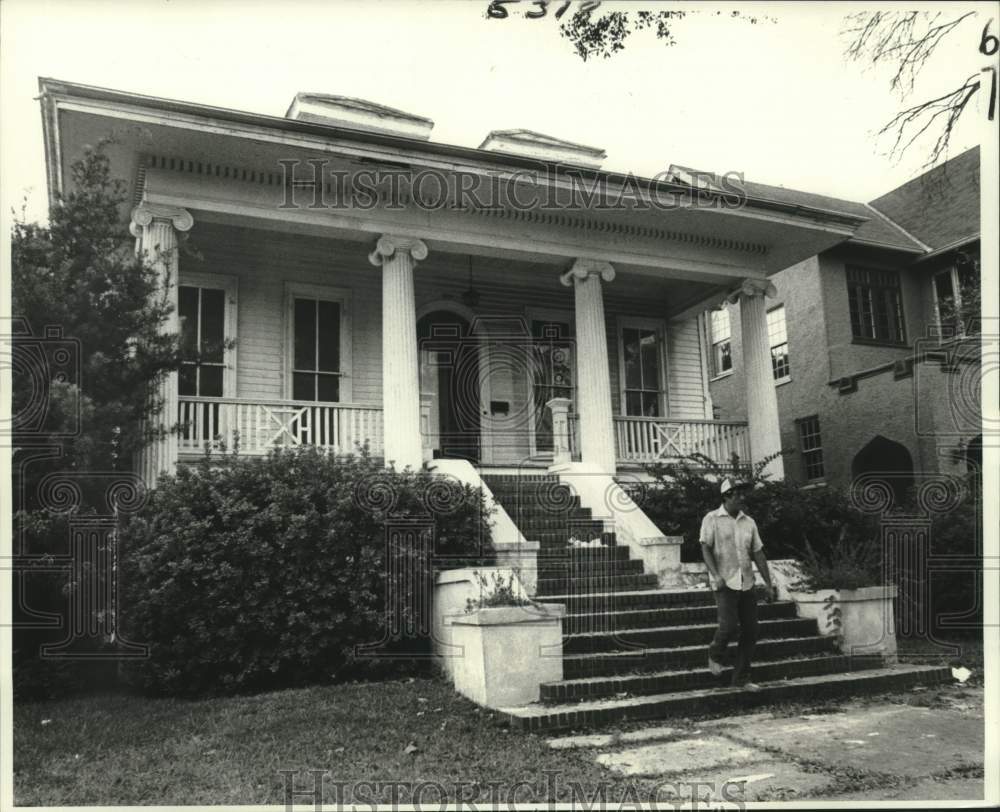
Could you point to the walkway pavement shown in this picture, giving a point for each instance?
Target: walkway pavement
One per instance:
(926, 744)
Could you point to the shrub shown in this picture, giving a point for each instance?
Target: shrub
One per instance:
(251, 574)
(496, 591)
(837, 544)
(850, 563)
(787, 515)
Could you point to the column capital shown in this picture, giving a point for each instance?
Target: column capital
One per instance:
(145, 213)
(390, 244)
(752, 287)
(584, 268)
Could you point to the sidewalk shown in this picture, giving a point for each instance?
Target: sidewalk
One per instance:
(926, 744)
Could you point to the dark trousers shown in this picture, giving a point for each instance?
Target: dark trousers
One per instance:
(737, 619)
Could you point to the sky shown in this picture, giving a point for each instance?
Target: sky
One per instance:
(775, 100)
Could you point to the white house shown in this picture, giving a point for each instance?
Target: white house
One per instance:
(437, 327)
(485, 311)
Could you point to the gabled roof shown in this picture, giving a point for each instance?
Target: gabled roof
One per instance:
(878, 230)
(941, 207)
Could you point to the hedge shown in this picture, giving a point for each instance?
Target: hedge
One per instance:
(248, 574)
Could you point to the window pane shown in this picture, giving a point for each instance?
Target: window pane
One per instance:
(633, 403)
(650, 361)
(210, 382)
(187, 311)
(631, 350)
(650, 404)
(720, 325)
(776, 326)
(187, 385)
(305, 334)
(854, 303)
(213, 308)
(329, 387)
(303, 386)
(779, 361)
(723, 357)
(329, 337)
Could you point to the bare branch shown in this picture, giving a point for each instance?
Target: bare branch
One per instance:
(907, 38)
(942, 112)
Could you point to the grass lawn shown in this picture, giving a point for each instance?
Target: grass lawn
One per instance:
(117, 749)
(133, 750)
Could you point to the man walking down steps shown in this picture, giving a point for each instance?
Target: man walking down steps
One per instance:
(729, 541)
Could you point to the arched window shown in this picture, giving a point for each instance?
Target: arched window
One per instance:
(888, 459)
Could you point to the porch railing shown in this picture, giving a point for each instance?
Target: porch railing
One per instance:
(260, 425)
(655, 439)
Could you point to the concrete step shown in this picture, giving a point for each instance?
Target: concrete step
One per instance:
(676, 658)
(623, 620)
(582, 586)
(592, 713)
(661, 682)
(675, 636)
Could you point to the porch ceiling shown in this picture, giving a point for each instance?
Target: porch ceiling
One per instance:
(711, 246)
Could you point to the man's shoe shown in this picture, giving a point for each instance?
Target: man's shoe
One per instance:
(715, 668)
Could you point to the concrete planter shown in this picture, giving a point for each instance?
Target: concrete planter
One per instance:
(823, 606)
(507, 652)
(867, 623)
(863, 618)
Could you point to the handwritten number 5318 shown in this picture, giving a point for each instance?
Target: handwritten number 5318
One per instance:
(497, 10)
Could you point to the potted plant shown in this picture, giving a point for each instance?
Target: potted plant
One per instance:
(507, 644)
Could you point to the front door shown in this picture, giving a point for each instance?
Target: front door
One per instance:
(449, 375)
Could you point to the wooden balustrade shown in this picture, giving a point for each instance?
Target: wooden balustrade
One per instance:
(256, 426)
(654, 439)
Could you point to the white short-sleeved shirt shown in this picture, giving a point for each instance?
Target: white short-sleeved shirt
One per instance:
(733, 541)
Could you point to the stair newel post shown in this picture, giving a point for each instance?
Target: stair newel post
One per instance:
(560, 430)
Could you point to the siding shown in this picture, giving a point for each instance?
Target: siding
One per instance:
(685, 386)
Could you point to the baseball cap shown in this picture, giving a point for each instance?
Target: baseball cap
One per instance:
(731, 483)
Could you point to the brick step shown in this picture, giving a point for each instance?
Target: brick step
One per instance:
(505, 479)
(676, 658)
(606, 552)
(613, 601)
(579, 715)
(583, 586)
(528, 512)
(662, 682)
(676, 636)
(550, 539)
(560, 523)
(669, 616)
(589, 568)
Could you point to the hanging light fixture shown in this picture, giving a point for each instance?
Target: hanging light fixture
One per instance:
(470, 297)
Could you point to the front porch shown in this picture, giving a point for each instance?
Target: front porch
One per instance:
(296, 340)
(254, 427)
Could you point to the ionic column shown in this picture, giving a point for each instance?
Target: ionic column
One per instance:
(157, 229)
(597, 437)
(762, 400)
(397, 257)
